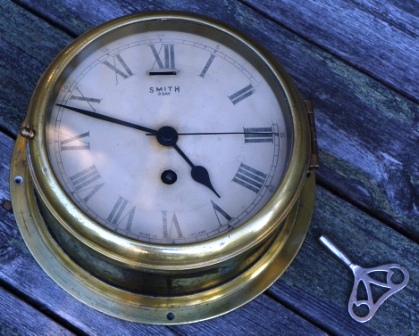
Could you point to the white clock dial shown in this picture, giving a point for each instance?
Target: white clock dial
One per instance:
(162, 174)
(168, 137)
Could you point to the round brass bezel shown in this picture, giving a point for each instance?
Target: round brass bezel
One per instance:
(274, 234)
(137, 307)
(140, 254)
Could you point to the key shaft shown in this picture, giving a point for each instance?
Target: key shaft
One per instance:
(336, 251)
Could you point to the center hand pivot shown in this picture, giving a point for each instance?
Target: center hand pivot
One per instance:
(168, 136)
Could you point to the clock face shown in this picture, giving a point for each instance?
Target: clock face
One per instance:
(169, 136)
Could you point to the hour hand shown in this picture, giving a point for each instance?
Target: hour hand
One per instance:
(200, 175)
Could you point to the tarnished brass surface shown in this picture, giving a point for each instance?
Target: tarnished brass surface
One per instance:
(138, 307)
(314, 162)
(152, 283)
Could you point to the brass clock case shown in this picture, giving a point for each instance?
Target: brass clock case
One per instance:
(148, 282)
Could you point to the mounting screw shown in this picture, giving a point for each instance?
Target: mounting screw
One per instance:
(27, 132)
(7, 205)
(170, 316)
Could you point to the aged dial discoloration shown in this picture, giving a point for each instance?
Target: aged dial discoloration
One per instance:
(228, 157)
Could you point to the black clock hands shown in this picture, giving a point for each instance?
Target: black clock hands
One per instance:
(166, 136)
(225, 133)
(109, 119)
(198, 173)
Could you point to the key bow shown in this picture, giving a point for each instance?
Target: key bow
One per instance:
(362, 276)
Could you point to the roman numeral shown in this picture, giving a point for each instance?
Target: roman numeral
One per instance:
(242, 94)
(86, 99)
(250, 178)
(258, 135)
(117, 215)
(84, 182)
(89, 100)
(168, 229)
(119, 67)
(222, 216)
(168, 61)
(78, 142)
(207, 65)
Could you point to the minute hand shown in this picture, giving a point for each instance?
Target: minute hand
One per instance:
(109, 119)
(226, 133)
(222, 133)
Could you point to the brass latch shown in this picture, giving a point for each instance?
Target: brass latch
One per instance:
(314, 161)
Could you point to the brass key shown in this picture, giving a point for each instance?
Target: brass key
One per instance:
(363, 277)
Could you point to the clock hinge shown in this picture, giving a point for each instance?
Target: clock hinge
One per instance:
(314, 160)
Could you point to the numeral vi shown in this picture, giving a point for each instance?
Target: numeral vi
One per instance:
(170, 229)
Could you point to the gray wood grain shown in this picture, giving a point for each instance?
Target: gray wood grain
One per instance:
(318, 285)
(27, 45)
(378, 46)
(402, 14)
(362, 78)
(367, 132)
(18, 318)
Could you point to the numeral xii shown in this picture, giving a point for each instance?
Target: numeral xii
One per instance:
(168, 60)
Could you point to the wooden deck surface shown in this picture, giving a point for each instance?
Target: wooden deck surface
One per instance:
(358, 61)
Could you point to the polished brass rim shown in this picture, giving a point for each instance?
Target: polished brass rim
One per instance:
(282, 222)
(138, 254)
(140, 308)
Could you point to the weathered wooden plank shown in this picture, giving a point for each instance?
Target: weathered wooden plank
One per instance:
(385, 36)
(359, 36)
(368, 161)
(18, 318)
(6, 145)
(262, 316)
(366, 131)
(27, 46)
(402, 14)
(318, 285)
